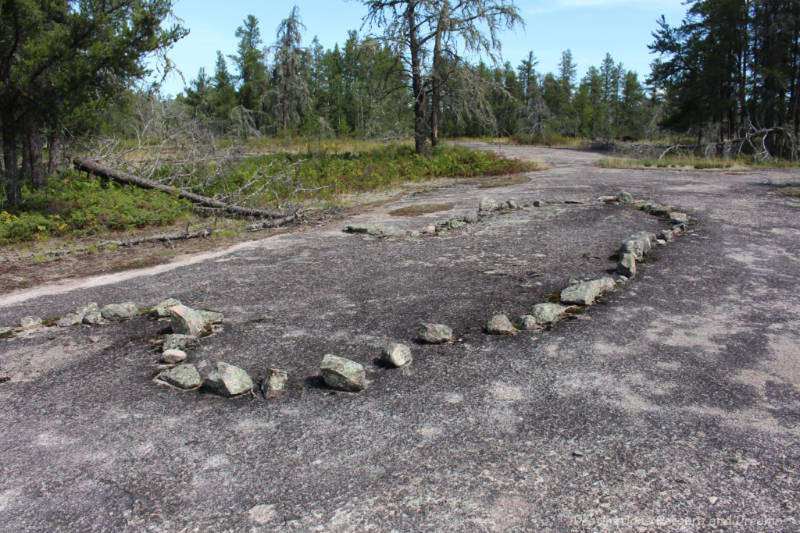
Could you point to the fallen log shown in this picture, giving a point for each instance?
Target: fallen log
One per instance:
(168, 237)
(98, 169)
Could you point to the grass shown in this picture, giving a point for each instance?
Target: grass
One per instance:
(503, 182)
(687, 162)
(420, 209)
(75, 205)
(793, 192)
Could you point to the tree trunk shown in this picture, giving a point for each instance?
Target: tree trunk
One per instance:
(53, 151)
(436, 82)
(38, 176)
(13, 189)
(25, 171)
(416, 80)
(93, 167)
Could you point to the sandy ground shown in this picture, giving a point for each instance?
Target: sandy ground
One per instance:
(672, 405)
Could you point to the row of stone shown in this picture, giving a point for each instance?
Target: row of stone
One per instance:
(584, 293)
(487, 207)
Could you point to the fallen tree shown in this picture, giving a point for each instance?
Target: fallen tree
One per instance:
(98, 169)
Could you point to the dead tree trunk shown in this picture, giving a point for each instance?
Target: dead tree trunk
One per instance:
(93, 167)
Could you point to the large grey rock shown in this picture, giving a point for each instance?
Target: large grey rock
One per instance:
(179, 341)
(435, 333)
(161, 310)
(638, 244)
(228, 380)
(186, 320)
(182, 376)
(397, 355)
(625, 197)
(547, 313)
(585, 292)
(500, 325)
(90, 313)
(275, 384)
(488, 204)
(120, 311)
(28, 322)
(343, 374)
(627, 265)
(173, 356)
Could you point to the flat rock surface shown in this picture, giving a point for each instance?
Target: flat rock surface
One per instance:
(671, 405)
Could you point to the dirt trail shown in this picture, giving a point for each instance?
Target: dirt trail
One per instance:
(673, 404)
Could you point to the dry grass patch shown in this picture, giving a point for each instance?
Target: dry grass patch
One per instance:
(420, 209)
(794, 192)
(504, 182)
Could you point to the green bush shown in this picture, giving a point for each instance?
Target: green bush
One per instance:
(73, 204)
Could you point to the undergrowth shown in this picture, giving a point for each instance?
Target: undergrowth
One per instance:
(684, 162)
(73, 204)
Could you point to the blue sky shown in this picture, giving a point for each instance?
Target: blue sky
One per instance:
(590, 28)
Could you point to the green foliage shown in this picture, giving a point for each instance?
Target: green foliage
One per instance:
(72, 204)
(324, 175)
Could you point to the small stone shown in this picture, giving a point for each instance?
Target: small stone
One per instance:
(435, 333)
(343, 374)
(577, 453)
(182, 376)
(677, 230)
(6, 332)
(661, 242)
(91, 307)
(413, 234)
(487, 204)
(454, 223)
(680, 219)
(28, 322)
(161, 310)
(657, 210)
(93, 318)
(471, 218)
(262, 514)
(177, 341)
(70, 319)
(397, 355)
(606, 199)
(212, 317)
(627, 265)
(228, 380)
(275, 384)
(538, 203)
(393, 231)
(119, 311)
(584, 293)
(500, 325)
(666, 234)
(713, 500)
(173, 356)
(573, 202)
(512, 204)
(528, 322)
(429, 230)
(545, 314)
(625, 197)
(622, 279)
(186, 321)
